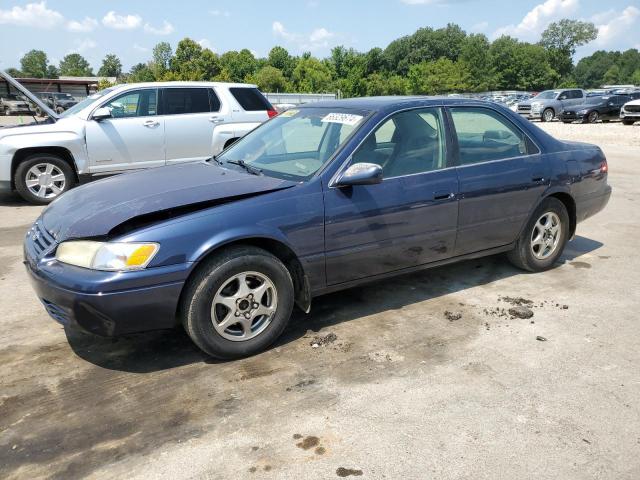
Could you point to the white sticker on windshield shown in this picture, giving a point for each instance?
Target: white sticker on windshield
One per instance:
(344, 118)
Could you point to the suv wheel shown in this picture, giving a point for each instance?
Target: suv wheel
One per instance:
(542, 241)
(548, 115)
(238, 303)
(41, 178)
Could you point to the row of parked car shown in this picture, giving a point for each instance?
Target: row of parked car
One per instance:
(577, 105)
(16, 104)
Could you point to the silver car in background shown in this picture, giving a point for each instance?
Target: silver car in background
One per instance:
(124, 128)
(546, 105)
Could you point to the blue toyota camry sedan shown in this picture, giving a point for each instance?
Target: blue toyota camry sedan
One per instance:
(321, 198)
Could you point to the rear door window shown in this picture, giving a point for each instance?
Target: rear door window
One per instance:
(179, 101)
(250, 99)
(485, 135)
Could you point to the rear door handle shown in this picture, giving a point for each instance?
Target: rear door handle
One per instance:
(151, 123)
(443, 195)
(216, 119)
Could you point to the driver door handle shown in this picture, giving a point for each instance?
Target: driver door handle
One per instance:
(151, 123)
(216, 119)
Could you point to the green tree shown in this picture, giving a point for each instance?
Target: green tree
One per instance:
(474, 54)
(111, 66)
(441, 76)
(192, 62)
(140, 72)
(561, 40)
(270, 79)
(52, 71)
(612, 75)
(75, 65)
(279, 58)
(521, 65)
(312, 76)
(14, 72)
(162, 54)
(635, 78)
(34, 64)
(239, 64)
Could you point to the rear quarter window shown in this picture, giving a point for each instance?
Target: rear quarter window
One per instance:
(250, 99)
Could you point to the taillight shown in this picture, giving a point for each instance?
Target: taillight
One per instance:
(604, 168)
(272, 113)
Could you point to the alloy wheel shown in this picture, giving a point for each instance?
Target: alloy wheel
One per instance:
(45, 180)
(244, 306)
(546, 235)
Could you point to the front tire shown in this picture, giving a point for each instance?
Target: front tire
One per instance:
(41, 178)
(544, 237)
(548, 115)
(238, 302)
(592, 117)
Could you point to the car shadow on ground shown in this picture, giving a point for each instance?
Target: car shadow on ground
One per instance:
(166, 349)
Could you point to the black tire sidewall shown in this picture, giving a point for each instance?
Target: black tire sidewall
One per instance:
(196, 315)
(26, 164)
(531, 262)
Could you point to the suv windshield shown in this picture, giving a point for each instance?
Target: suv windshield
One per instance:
(296, 143)
(87, 101)
(547, 95)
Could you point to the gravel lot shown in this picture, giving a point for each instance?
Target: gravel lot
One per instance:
(424, 376)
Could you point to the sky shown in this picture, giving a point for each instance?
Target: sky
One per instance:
(131, 28)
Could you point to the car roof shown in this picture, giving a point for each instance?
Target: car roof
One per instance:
(185, 85)
(390, 102)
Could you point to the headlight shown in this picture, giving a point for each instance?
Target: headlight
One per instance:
(582, 112)
(106, 255)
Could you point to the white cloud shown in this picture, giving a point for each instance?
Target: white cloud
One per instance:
(318, 38)
(166, 29)
(612, 25)
(205, 43)
(140, 48)
(538, 18)
(83, 45)
(121, 22)
(31, 15)
(220, 13)
(82, 26)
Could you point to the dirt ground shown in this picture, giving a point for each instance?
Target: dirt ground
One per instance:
(423, 376)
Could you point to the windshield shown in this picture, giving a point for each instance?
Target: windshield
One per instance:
(87, 101)
(547, 94)
(296, 143)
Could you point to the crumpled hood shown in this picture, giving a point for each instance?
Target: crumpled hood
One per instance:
(95, 209)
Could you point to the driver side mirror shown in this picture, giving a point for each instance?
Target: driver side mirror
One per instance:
(361, 174)
(562, 97)
(102, 113)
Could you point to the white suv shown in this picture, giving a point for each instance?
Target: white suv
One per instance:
(126, 127)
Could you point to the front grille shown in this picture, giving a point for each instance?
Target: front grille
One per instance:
(524, 108)
(39, 242)
(632, 108)
(56, 312)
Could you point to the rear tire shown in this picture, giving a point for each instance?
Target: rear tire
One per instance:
(56, 174)
(628, 122)
(218, 330)
(537, 248)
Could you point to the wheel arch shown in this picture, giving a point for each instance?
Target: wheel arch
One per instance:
(279, 249)
(570, 205)
(23, 153)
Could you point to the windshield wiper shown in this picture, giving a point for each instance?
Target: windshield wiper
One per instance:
(249, 168)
